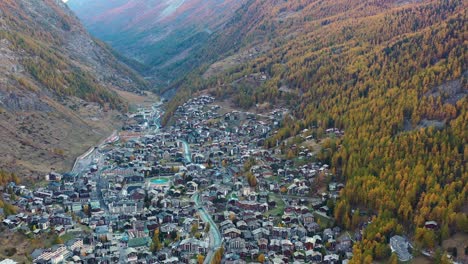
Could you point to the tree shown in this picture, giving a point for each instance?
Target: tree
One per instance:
(251, 179)
(174, 234)
(445, 259)
(194, 228)
(15, 178)
(438, 256)
(200, 259)
(218, 256)
(355, 220)
(368, 259)
(429, 239)
(87, 210)
(444, 232)
(382, 251)
(156, 244)
(290, 155)
(261, 258)
(8, 209)
(232, 216)
(207, 227)
(58, 240)
(393, 259)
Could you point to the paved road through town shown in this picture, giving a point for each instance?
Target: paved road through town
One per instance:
(187, 153)
(215, 236)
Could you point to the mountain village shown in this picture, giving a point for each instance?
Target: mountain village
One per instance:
(200, 188)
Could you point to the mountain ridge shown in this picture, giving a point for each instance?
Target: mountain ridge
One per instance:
(56, 87)
(161, 34)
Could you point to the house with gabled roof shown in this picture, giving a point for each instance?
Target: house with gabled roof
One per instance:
(401, 246)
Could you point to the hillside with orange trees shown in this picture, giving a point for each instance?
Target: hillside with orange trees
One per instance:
(392, 75)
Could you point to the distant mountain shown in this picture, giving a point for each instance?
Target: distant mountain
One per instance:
(56, 86)
(160, 33)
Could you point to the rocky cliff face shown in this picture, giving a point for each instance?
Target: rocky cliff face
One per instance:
(56, 86)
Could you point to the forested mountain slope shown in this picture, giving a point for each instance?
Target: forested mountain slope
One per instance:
(55, 82)
(163, 35)
(391, 74)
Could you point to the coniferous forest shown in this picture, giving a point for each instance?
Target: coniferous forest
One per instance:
(393, 78)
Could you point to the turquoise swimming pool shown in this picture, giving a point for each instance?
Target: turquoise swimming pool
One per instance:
(159, 181)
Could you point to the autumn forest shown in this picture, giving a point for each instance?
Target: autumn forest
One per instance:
(394, 79)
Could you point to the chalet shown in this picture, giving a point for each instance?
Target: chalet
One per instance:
(324, 209)
(236, 244)
(313, 256)
(401, 246)
(328, 234)
(193, 245)
(131, 255)
(61, 219)
(53, 176)
(275, 245)
(280, 232)
(43, 224)
(331, 258)
(308, 218)
(232, 233)
(298, 255)
(192, 187)
(241, 225)
(431, 225)
(262, 244)
(261, 233)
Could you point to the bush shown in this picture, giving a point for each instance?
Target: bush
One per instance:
(10, 252)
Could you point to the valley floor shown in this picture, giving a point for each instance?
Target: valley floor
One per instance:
(204, 188)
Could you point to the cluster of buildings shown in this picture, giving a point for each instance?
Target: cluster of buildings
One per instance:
(267, 216)
(146, 198)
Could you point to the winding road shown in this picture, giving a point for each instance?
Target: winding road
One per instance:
(215, 236)
(216, 239)
(187, 153)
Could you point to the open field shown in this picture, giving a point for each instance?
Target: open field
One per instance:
(323, 220)
(136, 99)
(279, 208)
(39, 142)
(460, 241)
(18, 247)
